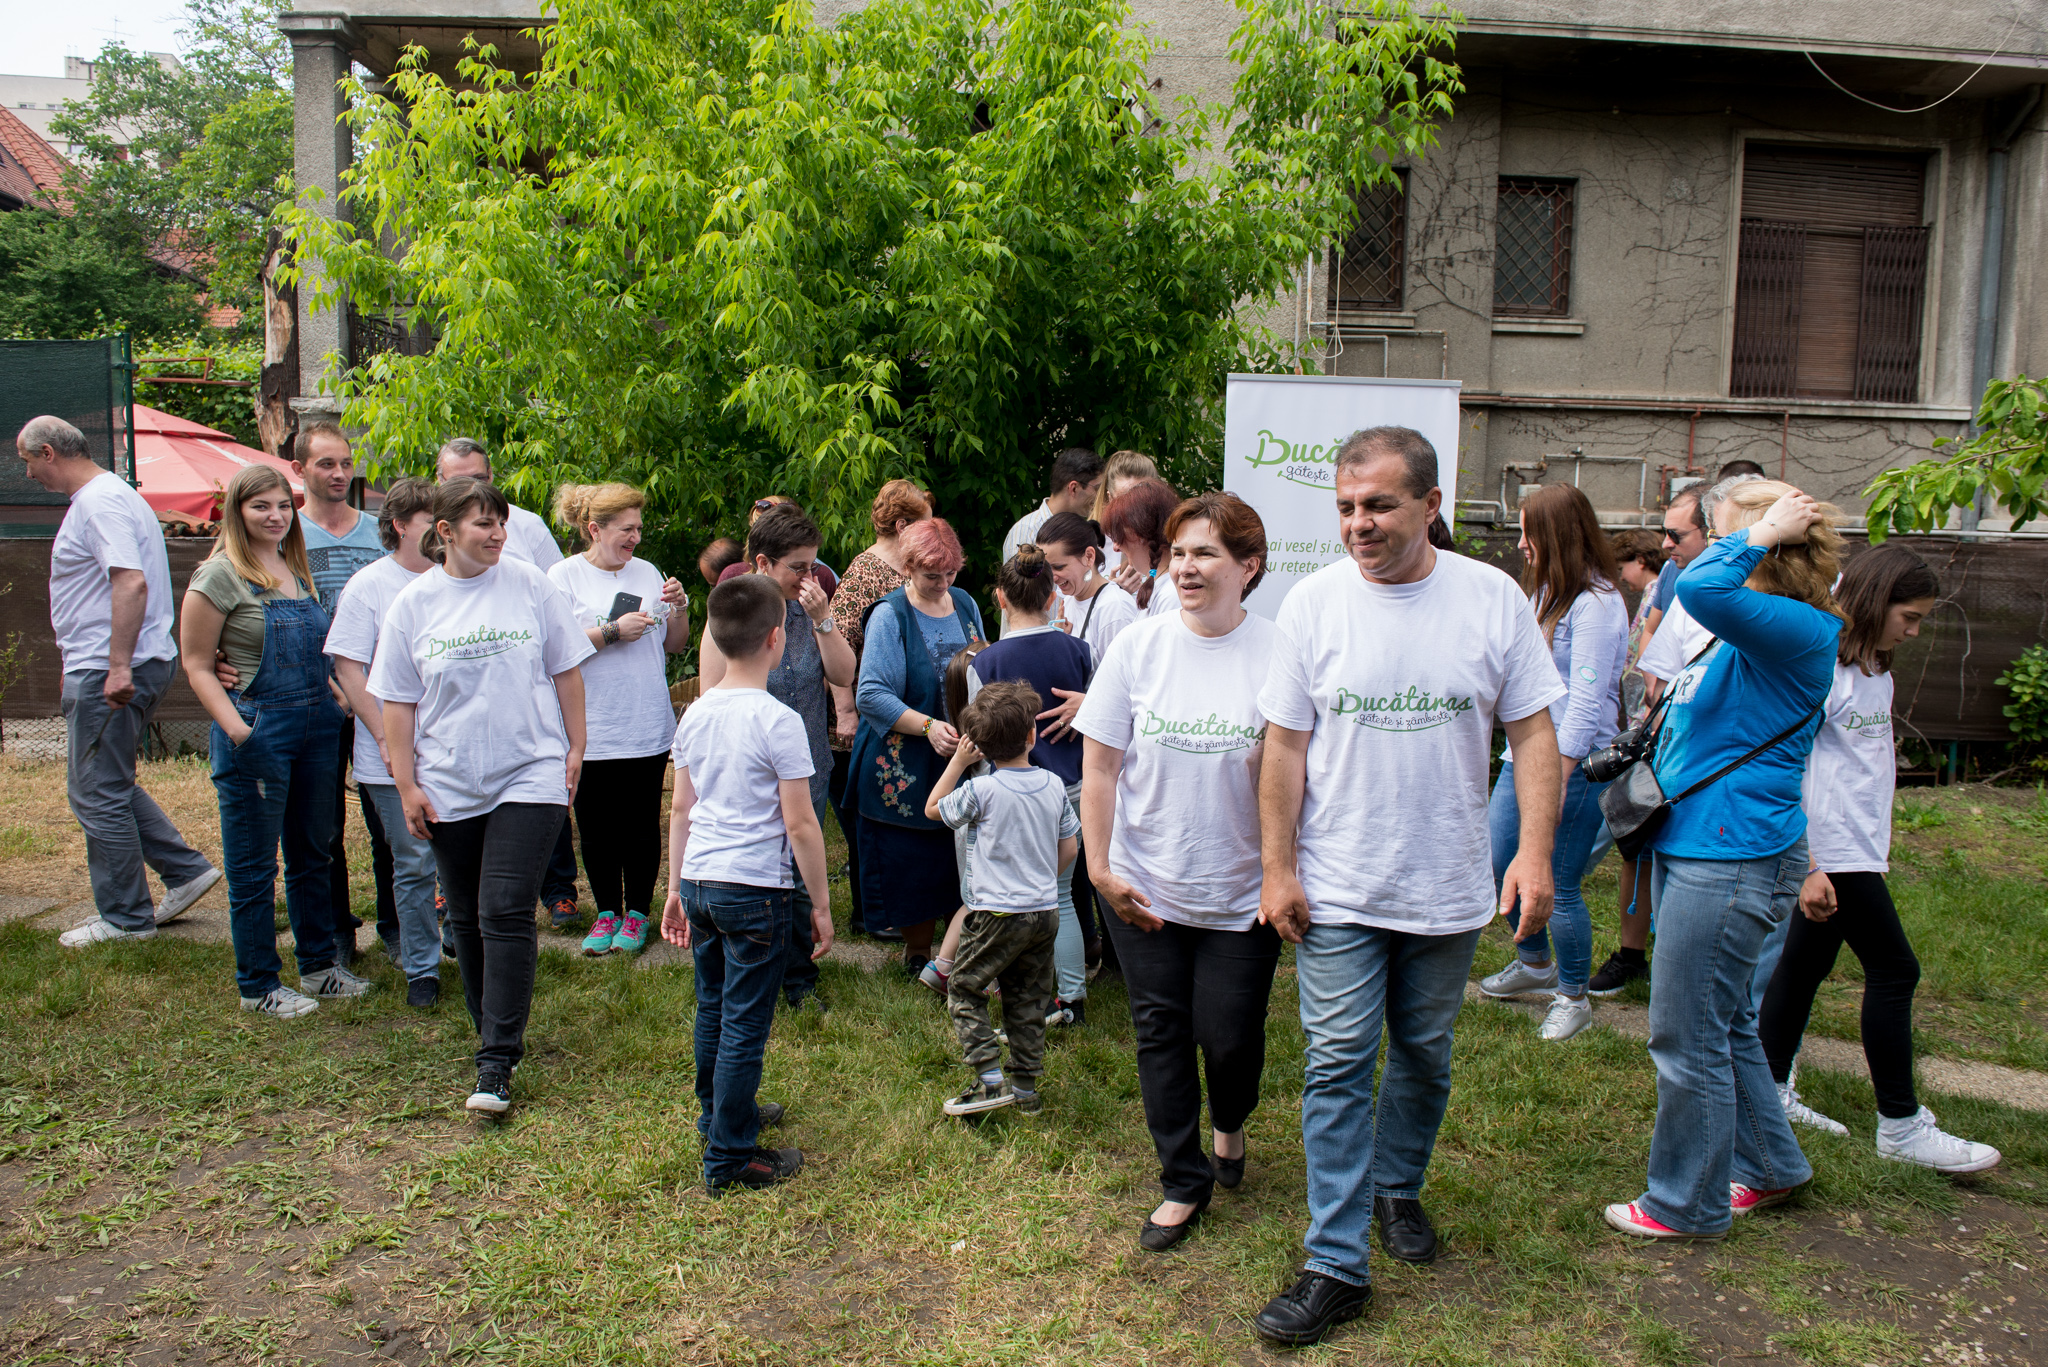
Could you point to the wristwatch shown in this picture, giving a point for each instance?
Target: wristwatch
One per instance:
(825, 627)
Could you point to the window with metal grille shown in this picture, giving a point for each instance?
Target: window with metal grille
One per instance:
(1532, 253)
(1831, 275)
(1367, 266)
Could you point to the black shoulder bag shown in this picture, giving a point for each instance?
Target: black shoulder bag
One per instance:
(1634, 803)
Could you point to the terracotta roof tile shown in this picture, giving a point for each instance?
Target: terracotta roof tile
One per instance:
(27, 156)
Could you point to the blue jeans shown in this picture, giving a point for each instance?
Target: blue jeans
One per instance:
(738, 936)
(1070, 950)
(1353, 980)
(1717, 1108)
(1578, 829)
(413, 878)
(277, 788)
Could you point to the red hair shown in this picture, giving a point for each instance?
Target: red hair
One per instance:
(1138, 515)
(898, 501)
(1236, 524)
(931, 545)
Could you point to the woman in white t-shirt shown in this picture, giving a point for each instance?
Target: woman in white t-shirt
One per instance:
(1170, 819)
(1136, 522)
(1884, 593)
(635, 618)
(476, 667)
(1096, 608)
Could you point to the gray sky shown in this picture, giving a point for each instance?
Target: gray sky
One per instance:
(41, 34)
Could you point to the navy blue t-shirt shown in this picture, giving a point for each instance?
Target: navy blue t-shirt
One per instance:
(1046, 658)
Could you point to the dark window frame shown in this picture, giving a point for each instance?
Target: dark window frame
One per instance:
(1531, 297)
(1375, 250)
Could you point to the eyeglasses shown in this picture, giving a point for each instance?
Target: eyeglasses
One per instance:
(762, 505)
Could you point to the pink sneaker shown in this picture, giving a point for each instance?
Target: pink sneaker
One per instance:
(1630, 1218)
(1742, 1200)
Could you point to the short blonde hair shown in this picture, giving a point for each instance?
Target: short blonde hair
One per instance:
(1806, 571)
(579, 505)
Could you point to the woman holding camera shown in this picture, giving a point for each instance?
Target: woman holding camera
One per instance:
(1731, 855)
(1569, 574)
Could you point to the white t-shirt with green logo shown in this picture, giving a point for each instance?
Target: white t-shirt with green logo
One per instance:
(1851, 776)
(1184, 709)
(1400, 685)
(477, 657)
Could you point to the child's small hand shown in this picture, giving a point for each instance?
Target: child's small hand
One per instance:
(968, 754)
(675, 925)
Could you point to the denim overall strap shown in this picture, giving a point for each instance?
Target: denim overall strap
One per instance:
(293, 672)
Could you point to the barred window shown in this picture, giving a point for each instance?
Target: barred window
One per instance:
(1830, 276)
(1532, 255)
(1367, 267)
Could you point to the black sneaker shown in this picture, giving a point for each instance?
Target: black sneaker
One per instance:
(1072, 1013)
(1618, 972)
(913, 966)
(493, 1093)
(764, 1169)
(770, 1112)
(423, 992)
(1309, 1309)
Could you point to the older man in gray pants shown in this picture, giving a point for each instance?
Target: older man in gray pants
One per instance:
(110, 605)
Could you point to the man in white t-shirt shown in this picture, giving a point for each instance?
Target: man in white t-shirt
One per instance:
(1393, 666)
(1076, 475)
(526, 538)
(111, 609)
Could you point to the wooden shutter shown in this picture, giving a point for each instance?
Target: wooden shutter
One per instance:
(1854, 331)
(1888, 324)
(1769, 273)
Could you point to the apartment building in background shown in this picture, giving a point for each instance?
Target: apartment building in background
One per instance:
(36, 100)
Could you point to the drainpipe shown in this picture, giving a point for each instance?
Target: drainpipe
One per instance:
(1988, 294)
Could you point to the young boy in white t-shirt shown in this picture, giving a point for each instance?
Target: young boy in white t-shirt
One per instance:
(1021, 838)
(742, 810)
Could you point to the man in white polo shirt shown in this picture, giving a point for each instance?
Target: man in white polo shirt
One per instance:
(1395, 664)
(111, 608)
(527, 538)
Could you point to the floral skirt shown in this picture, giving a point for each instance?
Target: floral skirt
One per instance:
(907, 876)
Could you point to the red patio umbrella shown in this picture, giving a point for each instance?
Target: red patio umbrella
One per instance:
(183, 466)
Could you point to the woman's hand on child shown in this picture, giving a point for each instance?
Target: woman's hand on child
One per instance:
(1062, 715)
(944, 739)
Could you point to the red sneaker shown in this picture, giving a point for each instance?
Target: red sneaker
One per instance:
(1630, 1218)
(1742, 1200)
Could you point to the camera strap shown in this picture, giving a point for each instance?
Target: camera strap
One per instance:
(1733, 765)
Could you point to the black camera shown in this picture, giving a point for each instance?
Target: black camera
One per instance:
(1606, 765)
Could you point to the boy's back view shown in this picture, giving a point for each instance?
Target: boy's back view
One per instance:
(742, 809)
(1021, 838)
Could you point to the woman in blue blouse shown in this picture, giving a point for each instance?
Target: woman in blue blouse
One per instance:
(905, 739)
(1730, 859)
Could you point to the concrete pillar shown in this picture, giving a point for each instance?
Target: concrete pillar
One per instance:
(321, 151)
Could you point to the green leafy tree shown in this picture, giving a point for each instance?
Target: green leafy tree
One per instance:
(69, 277)
(717, 250)
(2008, 457)
(209, 145)
(228, 407)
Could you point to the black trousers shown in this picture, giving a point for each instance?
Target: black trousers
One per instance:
(1168, 971)
(345, 919)
(1868, 923)
(620, 817)
(558, 879)
(845, 800)
(491, 866)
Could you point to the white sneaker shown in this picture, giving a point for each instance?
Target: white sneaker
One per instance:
(98, 931)
(1799, 1113)
(177, 901)
(1919, 1140)
(281, 1002)
(1518, 978)
(334, 982)
(1566, 1017)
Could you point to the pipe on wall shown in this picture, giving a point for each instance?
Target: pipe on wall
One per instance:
(1996, 166)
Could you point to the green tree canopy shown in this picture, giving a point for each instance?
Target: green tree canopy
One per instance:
(717, 250)
(208, 145)
(70, 277)
(2007, 459)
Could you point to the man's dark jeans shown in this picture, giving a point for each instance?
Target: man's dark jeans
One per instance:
(345, 918)
(739, 935)
(490, 868)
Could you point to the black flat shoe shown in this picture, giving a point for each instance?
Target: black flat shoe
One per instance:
(1229, 1171)
(1159, 1238)
(1309, 1309)
(1405, 1231)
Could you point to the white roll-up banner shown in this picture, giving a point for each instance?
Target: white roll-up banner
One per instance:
(1280, 440)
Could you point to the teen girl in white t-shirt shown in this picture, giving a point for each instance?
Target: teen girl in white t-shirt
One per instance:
(476, 665)
(627, 712)
(1170, 820)
(1884, 593)
(1096, 608)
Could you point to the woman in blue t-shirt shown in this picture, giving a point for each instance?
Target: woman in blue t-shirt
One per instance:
(1730, 857)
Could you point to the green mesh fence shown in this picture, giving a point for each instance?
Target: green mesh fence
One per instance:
(88, 384)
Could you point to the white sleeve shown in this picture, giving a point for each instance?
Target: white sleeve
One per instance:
(1105, 714)
(788, 745)
(395, 674)
(354, 633)
(1530, 682)
(1664, 656)
(566, 645)
(1286, 700)
(540, 543)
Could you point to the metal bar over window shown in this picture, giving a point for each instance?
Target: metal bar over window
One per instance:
(1770, 272)
(1532, 258)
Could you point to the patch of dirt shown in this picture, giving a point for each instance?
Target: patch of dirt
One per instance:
(1967, 1288)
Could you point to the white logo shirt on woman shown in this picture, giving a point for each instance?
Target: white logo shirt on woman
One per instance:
(477, 657)
(626, 711)
(1851, 775)
(1184, 709)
